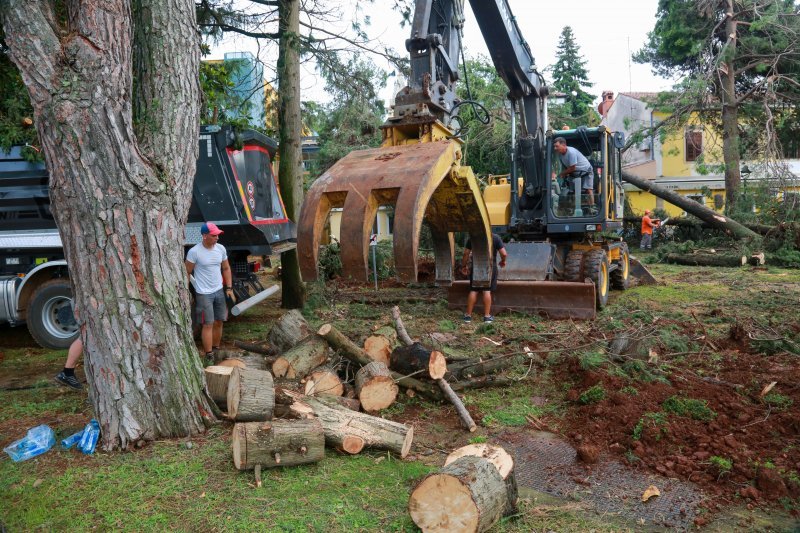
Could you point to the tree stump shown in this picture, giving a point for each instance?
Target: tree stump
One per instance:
(375, 387)
(324, 380)
(232, 363)
(251, 395)
(288, 330)
(341, 425)
(217, 378)
(469, 494)
(500, 459)
(379, 345)
(412, 359)
(297, 362)
(277, 443)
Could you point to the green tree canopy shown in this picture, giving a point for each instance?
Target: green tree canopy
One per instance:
(571, 77)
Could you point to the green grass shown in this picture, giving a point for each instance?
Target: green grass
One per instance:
(592, 395)
(778, 401)
(690, 407)
(506, 407)
(653, 421)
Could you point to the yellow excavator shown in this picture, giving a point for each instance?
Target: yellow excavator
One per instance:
(562, 258)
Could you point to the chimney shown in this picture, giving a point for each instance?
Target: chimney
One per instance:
(606, 103)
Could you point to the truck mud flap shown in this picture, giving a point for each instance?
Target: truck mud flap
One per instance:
(422, 181)
(553, 299)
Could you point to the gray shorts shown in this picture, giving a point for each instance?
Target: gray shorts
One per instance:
(587, 179)
(211, 307)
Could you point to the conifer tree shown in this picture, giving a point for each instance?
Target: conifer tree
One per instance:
(571, 77)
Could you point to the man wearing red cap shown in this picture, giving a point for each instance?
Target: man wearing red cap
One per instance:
(647, 230)
(206, 260)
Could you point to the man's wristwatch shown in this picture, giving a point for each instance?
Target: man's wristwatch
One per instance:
(228, 288)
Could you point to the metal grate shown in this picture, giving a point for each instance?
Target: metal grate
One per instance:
(548, 464)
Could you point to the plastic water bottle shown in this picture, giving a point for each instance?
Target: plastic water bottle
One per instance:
(72, 440)
(89, 438)
(37, 441)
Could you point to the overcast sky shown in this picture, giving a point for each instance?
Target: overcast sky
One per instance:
(607, 33)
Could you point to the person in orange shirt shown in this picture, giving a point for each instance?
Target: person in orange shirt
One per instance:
(647, 230)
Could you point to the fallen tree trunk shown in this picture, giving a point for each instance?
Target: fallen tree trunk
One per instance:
(416, 358)
(475, 368)
(375, 387)
(302, 358)
(345, 346)
(715, 260)
(277, 443)
(288, 330)
(217, 378)
(469, 494)
(714, 219)
(251, 395)
(501, 459)
(324, 380)
(339, 422)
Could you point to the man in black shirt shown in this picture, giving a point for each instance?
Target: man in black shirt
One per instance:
(498, 248)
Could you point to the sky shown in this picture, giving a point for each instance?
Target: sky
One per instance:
(607, 33)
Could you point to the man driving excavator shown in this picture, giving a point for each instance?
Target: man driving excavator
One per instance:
(576, 166)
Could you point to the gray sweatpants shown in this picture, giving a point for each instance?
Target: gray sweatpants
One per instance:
(647, 241)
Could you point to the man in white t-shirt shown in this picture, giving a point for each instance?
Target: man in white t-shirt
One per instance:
(208, 261)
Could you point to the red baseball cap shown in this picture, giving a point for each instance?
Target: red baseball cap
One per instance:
(211, 229)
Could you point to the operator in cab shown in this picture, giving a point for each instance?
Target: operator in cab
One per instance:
(575, 165)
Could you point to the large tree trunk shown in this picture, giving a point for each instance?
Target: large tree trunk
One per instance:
(730, 113)
(121, 166)
(714, 219)
(293, 292)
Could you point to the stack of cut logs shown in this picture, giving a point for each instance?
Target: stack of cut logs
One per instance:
(291, 399)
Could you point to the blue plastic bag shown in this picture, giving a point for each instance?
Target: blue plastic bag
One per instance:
(37, 441)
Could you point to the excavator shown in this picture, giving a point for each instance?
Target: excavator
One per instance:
(563, 256)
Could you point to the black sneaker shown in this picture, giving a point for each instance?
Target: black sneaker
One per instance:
(489, 318)
(69, 381)
(210, 359)
(467, 319)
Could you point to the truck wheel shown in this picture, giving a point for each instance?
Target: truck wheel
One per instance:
(597, 270)
(573, 266)
(50, 318)
(620, 277)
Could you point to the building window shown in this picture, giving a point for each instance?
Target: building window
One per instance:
(694, 144)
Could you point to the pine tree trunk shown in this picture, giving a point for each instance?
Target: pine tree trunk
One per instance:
(730, 115)
(293, 292)
(121, 167)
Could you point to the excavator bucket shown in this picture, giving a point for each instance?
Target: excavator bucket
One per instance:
(423, 181)
(523, 286)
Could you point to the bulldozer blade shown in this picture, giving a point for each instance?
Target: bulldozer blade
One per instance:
(422, 181)
(554, 299)
(640, 272)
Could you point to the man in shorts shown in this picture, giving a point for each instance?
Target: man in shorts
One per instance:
(575, 165)
(497, 248)
(208, 261)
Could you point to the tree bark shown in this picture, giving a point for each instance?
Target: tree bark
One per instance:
(730, 113)
(293, 292)
(417, 358)
(714, 219)
(345, 346)
(267, 350)
(324, 380)
(302, 359)
(340, 422)
(379, 345)
(501, 459)
(277, 443)
(716, 260)
(469, 494)
(288, 330)
(121, 159)
(251, 395)
(463, 414)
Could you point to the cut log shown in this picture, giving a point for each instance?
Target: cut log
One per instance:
(715, 260)
(380, 344)
(288, 330)
(475, 368)
(245, 360)
(375, 387)
(277, 443)
(463, 414)
(217, 378)
(340, 423)
(501, 460)
(305, 356)
(324, 380)
(345, 346)
(251, 395)
(714, 219)
(256, 348)
(469, 494)
(757, 259)
(408, 360)
(232, 363)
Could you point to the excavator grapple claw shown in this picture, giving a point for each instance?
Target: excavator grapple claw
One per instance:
(423, 181)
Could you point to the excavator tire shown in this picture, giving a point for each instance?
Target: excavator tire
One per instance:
(621, 276)
(573, 266)
(597, 270)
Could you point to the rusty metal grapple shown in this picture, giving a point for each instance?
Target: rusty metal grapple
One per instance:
(422, 180)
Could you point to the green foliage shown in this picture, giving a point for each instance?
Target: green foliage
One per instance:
(15, 105)
(330, 261)
(220, 103)
(722, 464)
(384, 259)
(592, 395)
(592, 360)
(695, 409)
(630, 391)
(778, 401)
(447, 325)
(653, 421)
(570, 77)
(478, 439)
